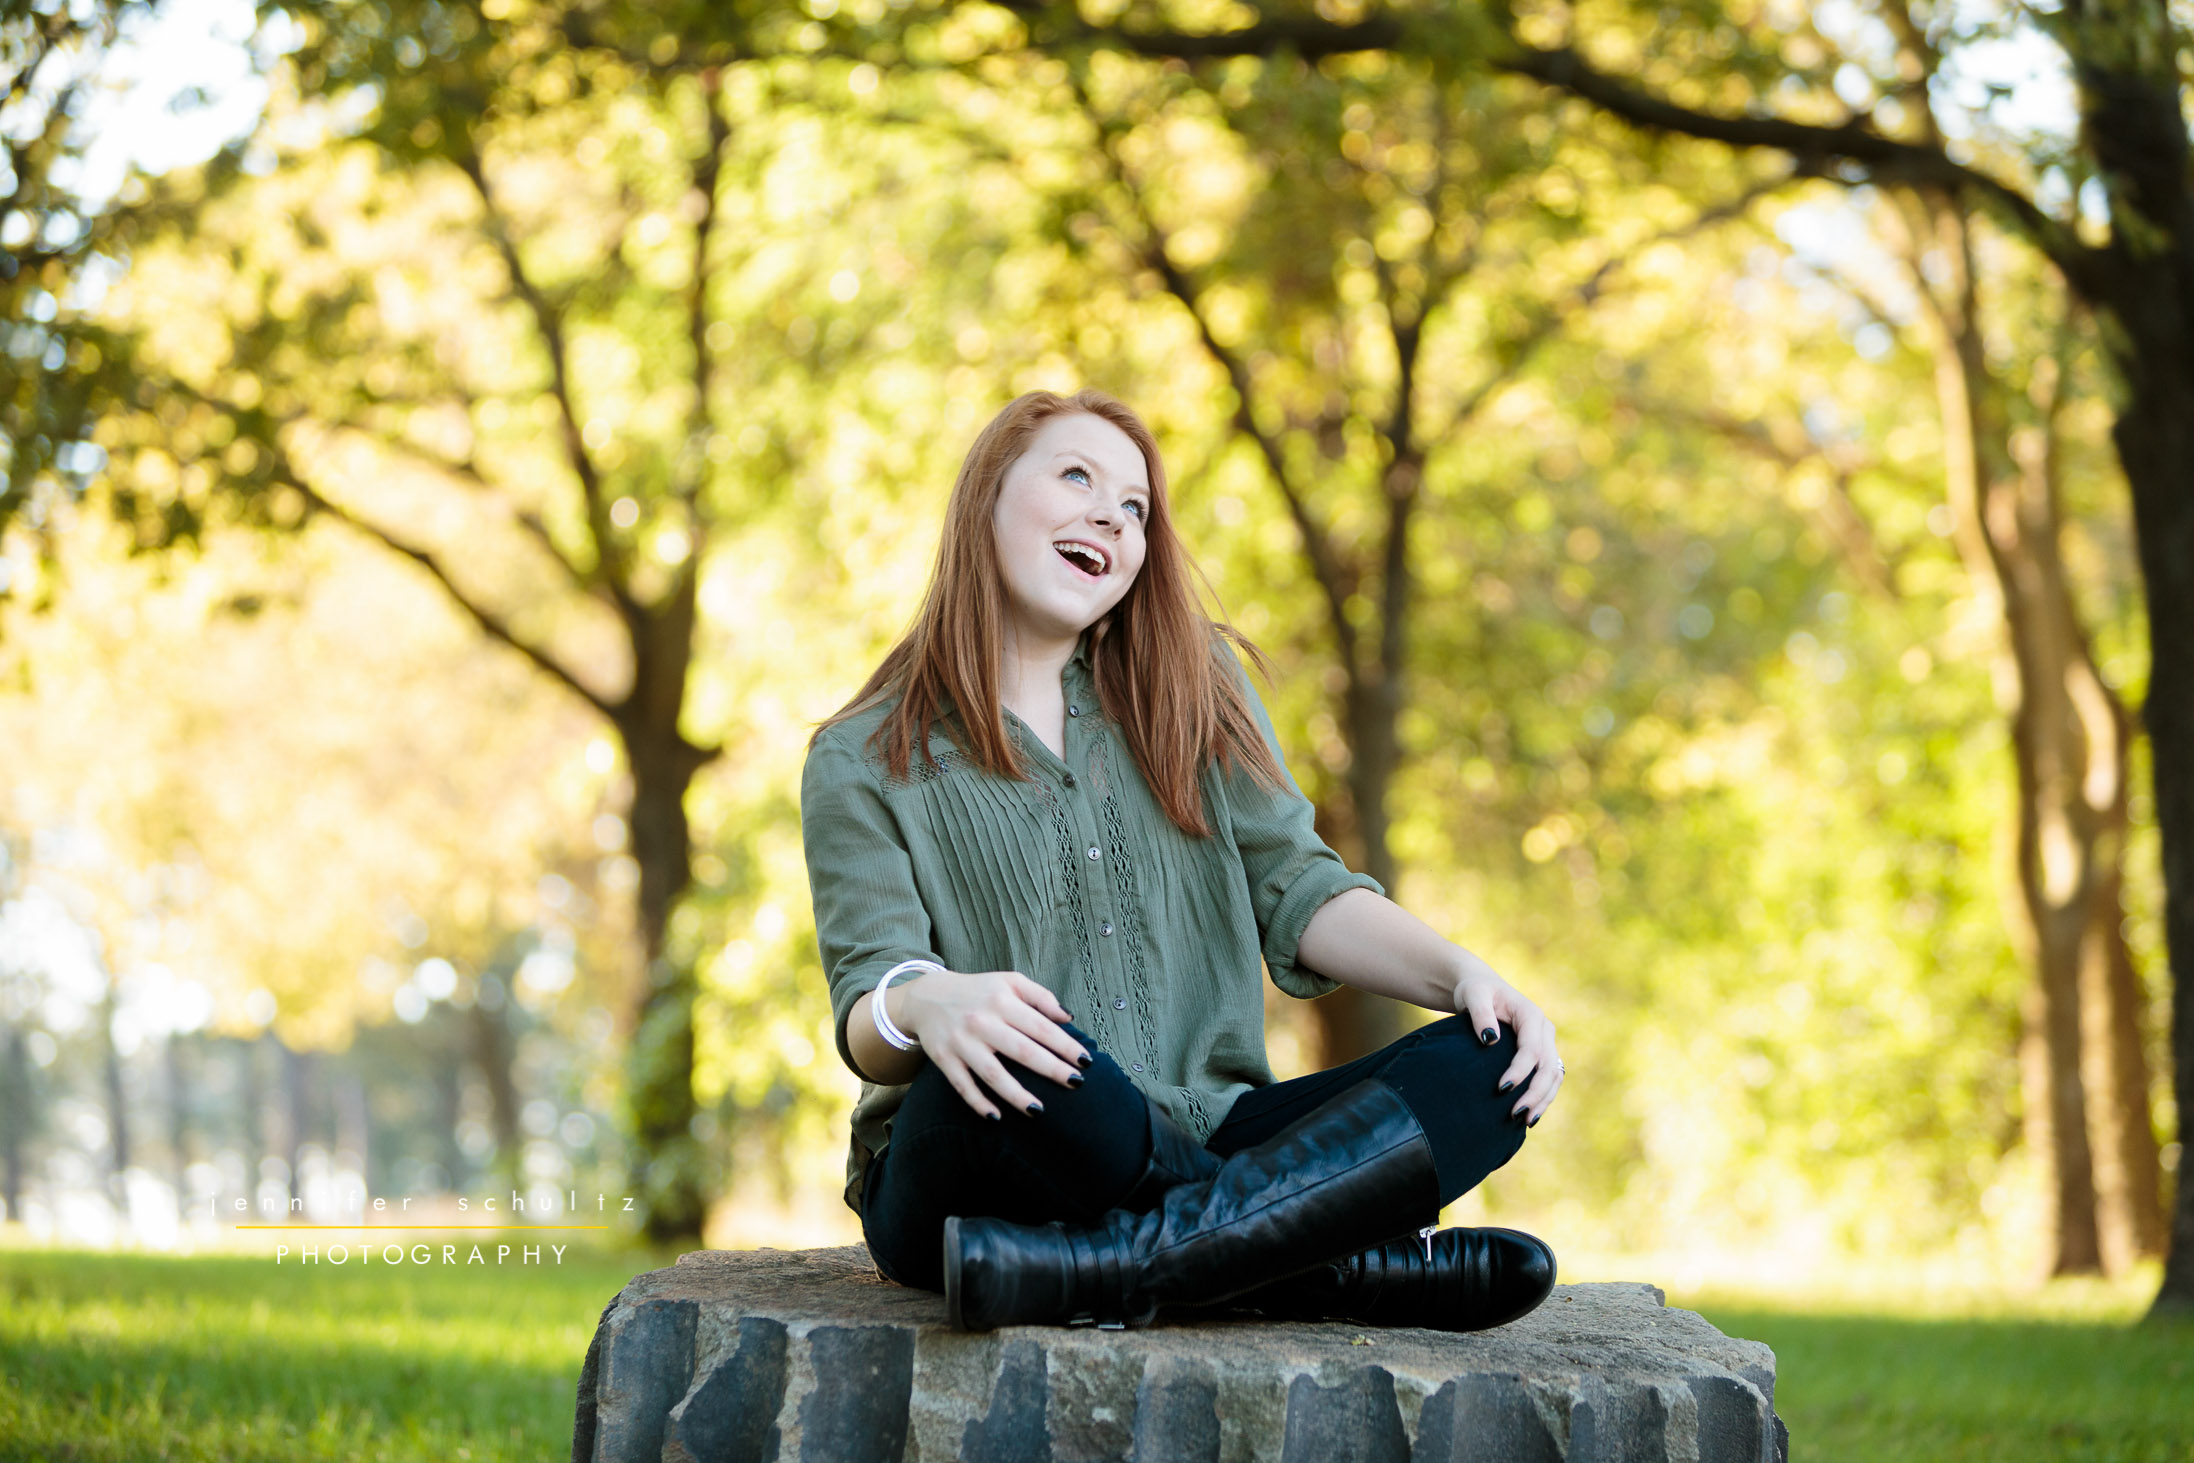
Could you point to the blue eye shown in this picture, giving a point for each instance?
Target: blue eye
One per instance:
(1084, 474)
(1142, 510)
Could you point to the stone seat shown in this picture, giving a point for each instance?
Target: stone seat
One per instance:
(809, 1356)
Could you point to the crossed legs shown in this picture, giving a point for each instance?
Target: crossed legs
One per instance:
(1450, 1082)
(1086, 1151)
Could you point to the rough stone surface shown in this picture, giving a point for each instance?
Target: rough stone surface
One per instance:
(808, 1356)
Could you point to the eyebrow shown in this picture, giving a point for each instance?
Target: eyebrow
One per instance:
(1090, 463)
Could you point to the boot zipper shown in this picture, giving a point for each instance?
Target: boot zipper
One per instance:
(1426, 1234)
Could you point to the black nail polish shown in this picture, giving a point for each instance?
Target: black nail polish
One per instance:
(1489, 1036)
(1085, 1061)
(1034, 1107)
(1508, 1086)
(1534, 1122)
(992, 1116)
(1076, 1080)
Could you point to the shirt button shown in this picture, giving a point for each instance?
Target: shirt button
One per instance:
(1093, 854)
(1138, 1066)
(1119, 1003)
(1105, 928)
(1074, 711)
(1070, 779)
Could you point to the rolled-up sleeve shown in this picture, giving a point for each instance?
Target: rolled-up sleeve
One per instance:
(868, 909)
(1291, 871)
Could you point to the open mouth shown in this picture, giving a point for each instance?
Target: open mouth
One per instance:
(1083, 559)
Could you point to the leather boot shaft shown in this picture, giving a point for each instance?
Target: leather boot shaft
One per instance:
(1328, 1186)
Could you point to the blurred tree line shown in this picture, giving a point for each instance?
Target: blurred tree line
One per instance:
(1691, 506)
(274, 906)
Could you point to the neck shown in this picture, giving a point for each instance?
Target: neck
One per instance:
(1030, 671)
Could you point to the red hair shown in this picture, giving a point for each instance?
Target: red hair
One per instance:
(1154, 655)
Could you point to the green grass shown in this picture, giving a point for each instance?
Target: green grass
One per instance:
(131, 1357)
(138, 1357)
(1974, 1389)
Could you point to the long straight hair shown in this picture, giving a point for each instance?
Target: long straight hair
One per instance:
(1154, 655)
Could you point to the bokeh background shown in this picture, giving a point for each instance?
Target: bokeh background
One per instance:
(455, 452)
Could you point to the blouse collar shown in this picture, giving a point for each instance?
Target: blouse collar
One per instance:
(1077, 668)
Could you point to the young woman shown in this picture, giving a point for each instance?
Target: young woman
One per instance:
(1050, 842)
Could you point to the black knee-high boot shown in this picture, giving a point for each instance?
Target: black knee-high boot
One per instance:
(1442, 1279)
(1447, 1280)
(1326, 1187)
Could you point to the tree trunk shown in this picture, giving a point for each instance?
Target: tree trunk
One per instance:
(354, 1124)
(118, 1118)
(2155, 437)
(251, 1104)
(1353, 1023)
(674, 1179)
(2128, 1166)
(178, 1083)
(2084, 773)
(2084, 1070)
(15, 1117)
(2134, 123)
(297, 1126)
(449, 1097)
(491, 1054)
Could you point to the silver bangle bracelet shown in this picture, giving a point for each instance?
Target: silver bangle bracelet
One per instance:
(887, 1028)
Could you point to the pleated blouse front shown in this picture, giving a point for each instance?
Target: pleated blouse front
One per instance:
(1079, 881)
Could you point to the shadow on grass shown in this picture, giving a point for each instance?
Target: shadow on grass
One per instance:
(1890, 1389)
(128, 1357)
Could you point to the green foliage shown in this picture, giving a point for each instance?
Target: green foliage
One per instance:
(1667, 755)
(49, 232)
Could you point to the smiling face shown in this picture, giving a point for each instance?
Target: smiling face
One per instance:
(1069, 523)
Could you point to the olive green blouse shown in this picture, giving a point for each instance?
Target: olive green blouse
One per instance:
(1078, 880)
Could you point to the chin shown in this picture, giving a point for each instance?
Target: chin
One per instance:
(1076, 625)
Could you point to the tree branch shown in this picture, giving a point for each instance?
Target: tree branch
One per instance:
(705, 179)
(1403, 481)
(1587, 293)
(1305, 35)
(489, 622)
(1332, 576)
(469, 475)
(285, 472)
(1885, 159)
(551, 327)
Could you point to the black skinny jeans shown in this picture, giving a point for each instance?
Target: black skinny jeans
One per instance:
(1079, 1157)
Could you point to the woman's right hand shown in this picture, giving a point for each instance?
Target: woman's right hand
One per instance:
(966, 1022)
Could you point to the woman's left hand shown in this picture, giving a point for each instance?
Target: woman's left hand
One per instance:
(1486, 1000)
